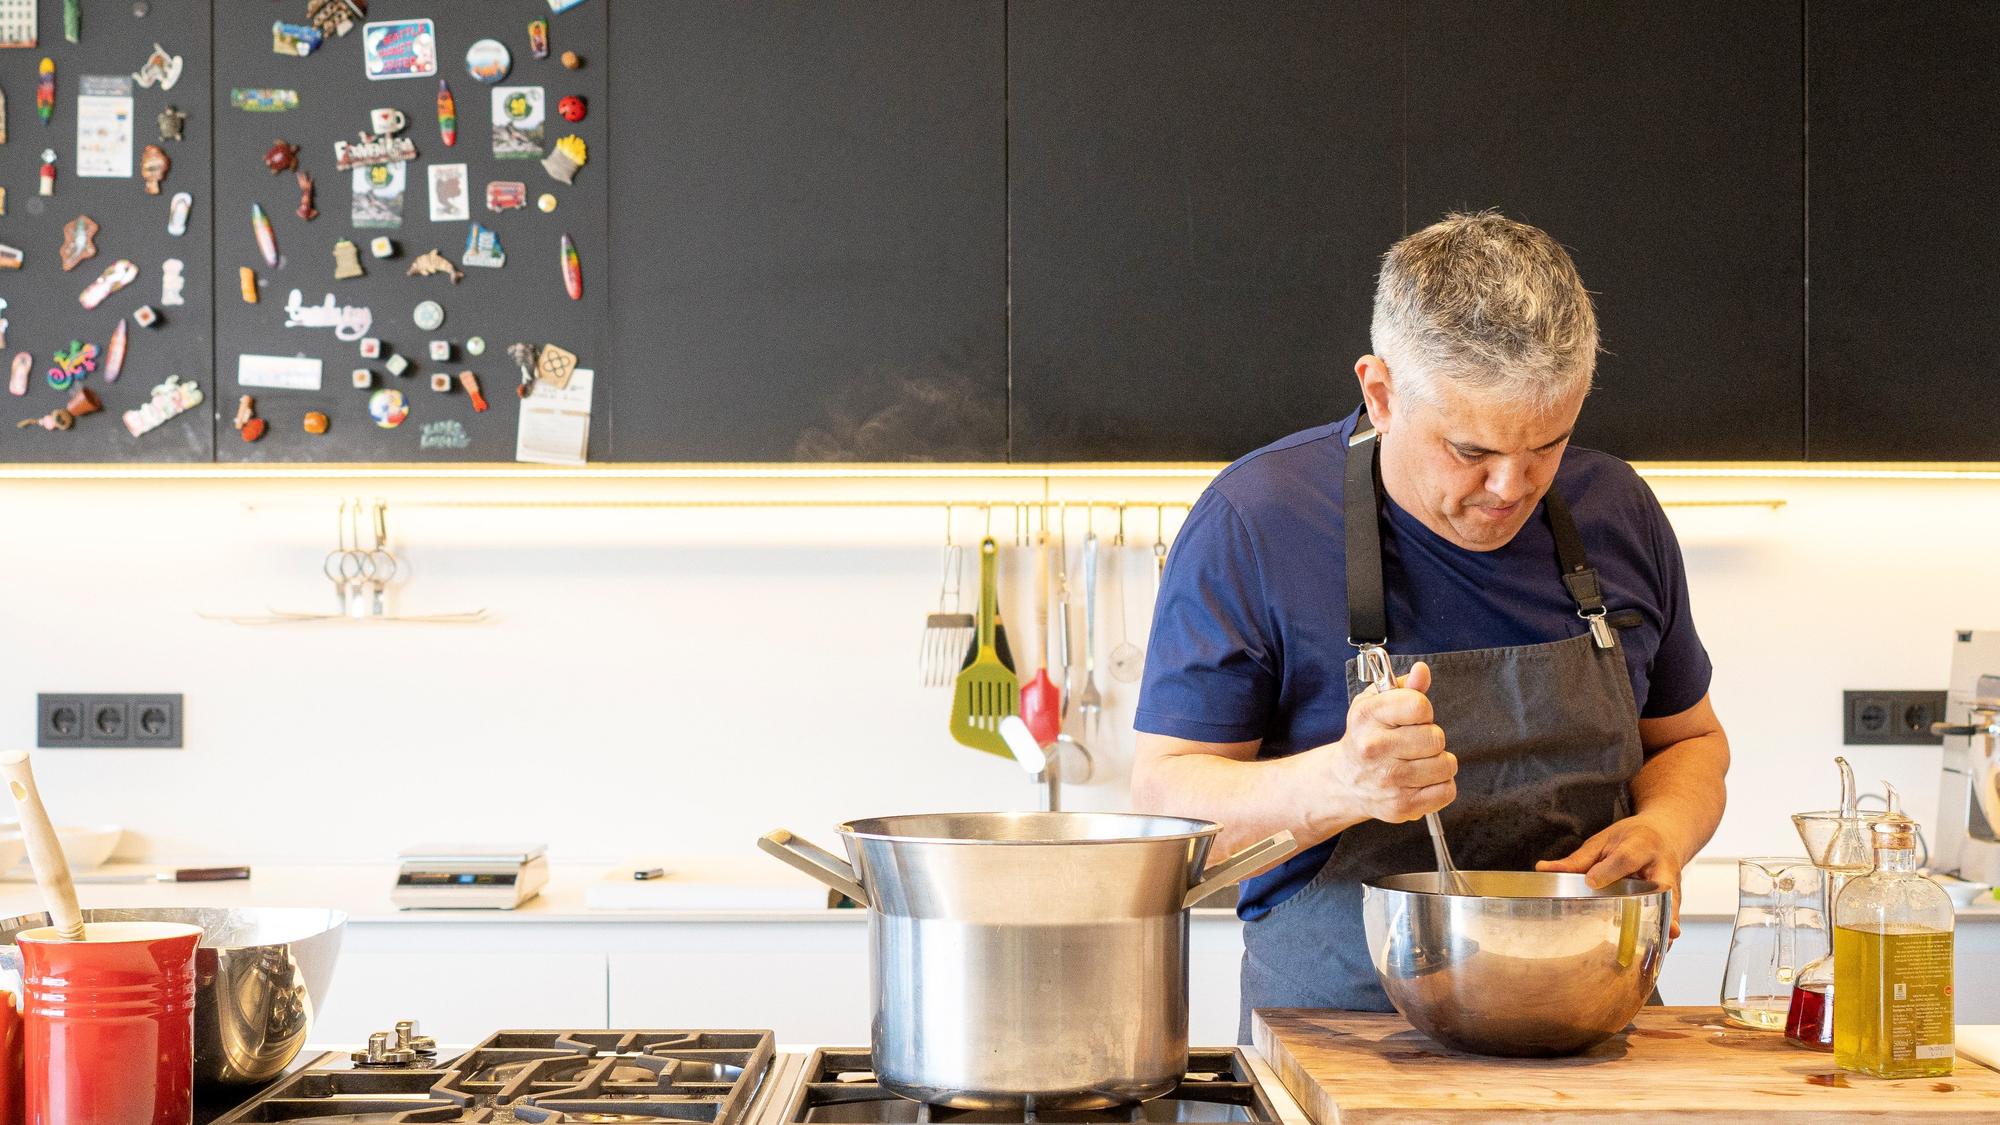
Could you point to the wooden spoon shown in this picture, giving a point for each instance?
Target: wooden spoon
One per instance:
(45, 852)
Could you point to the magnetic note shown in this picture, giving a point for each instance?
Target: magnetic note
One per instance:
(451, 199)
(518, 116)
(282, 372)
(399, 49)
(555, 422)
(104, 126)
(378, 196)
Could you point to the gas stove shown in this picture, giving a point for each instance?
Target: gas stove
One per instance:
(715, 1077)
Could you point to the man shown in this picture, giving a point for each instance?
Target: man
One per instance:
(1552, 704)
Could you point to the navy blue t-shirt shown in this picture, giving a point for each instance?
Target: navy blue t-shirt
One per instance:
(1249, 638)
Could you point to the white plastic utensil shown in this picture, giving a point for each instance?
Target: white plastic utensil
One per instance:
(1022, 742)
(45, 852)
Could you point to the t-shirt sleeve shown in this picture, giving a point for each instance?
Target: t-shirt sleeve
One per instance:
(1681, 669)
(1211, 666)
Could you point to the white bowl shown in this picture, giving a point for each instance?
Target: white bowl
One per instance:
(86, 846)
(1963, 892)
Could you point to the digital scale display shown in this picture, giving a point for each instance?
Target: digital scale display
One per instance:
(457, 878)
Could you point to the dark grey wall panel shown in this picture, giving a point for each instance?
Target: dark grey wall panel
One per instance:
(43, 313)
(1905, 253)
(524, 300)
(1199, 194)
(811, 230)
(1662, 144)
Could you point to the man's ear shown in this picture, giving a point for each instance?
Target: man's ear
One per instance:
(1376, 390)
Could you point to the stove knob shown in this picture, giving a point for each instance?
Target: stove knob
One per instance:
(380, 1052)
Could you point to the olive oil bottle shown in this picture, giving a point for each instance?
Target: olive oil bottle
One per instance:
(1892, 963)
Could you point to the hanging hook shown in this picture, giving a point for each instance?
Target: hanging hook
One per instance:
(1120, 541)
(947, 523)
(381, 523)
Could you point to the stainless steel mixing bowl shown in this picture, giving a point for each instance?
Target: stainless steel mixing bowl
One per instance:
(260, 975)
(1530, 964)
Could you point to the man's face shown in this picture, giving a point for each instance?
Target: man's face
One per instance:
(1470, 468)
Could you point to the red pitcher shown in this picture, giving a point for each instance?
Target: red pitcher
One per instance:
(110, 1024)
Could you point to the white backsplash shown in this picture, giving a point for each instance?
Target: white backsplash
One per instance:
(677, 682)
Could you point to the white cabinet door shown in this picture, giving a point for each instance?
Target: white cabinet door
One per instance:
(1215, 969)
(461, 998)
(807, 982)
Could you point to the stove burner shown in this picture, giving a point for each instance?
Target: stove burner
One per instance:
(840, 1089)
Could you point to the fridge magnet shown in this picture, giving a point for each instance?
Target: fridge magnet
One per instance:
(335, 17)
(315, 422)
(3, 324)
(295, 39)
(470, 382)
(398, 365)
(114, 353)
(571, 108)
(172, 280)
(388, 407)
(346, 260)
(561, 6)
(104, 127)
(349, 322)
(160, 69)
(177, 213)
(263, 99)
(430, 262)
(73, 21)
(278, 372)
(3, 191)
(399, 49)
(572, 270)
(488, 60)
(506, 195)
(267, 236)
(428, 316)
(306, 210)
(361, 378)
(172, 123)
(387, 120)
(72, 363)
(447, 109)
(172, 398)
(538, 38)
(79, 241)
(449, 198)
(482, 248)
(48, 172)
(378, 196)
(381, 247)
(523, 355)
(45, 90)
(17, 377)
(445, 433)
(546, 203)
(153, 167)
(518, 116)
(475, 345)
(570, 156)
(572, 61)
(281, 157)
(440, 383)
(248, 425)
(57, 419)
(555, 366)
(371, 348)
(18, 23)
(3, 117)
(440, 351)
(554, 425)
(116, 276)
(145, 316)
(246, 284)
(381, 148)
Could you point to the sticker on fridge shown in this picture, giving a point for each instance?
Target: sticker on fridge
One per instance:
(518, 113)
(399, 49)
(104, 126)
(378, 196)
(450, 201)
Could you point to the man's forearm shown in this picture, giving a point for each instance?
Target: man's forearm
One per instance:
(1680, 789)
(1249, 799)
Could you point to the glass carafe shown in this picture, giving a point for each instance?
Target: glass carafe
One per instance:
(1780, 926)
(1838, 845)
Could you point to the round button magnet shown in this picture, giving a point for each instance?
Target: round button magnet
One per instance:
(488, 60)
(429, 316)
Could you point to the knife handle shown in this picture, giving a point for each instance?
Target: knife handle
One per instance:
(209, 874)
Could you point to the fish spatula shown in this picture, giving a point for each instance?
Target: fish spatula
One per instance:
(987, 690)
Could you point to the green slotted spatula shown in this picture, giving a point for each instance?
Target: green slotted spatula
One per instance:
(987, 690)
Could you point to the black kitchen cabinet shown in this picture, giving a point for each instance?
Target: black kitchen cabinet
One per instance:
(1662, 144)
(1198, 195)
(1905, 255)
(810, 229)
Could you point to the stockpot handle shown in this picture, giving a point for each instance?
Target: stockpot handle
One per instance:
(815, 861)
(1260, 854)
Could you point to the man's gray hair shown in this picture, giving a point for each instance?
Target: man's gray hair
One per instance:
(1492, 305)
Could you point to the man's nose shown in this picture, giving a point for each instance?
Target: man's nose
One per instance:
(1508, 480)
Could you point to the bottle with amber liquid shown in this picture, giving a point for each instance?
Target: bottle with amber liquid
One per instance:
(1892, 963)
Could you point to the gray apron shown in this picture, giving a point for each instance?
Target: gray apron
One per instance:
(1547, 739)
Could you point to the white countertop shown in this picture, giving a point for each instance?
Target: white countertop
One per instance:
(362, 890)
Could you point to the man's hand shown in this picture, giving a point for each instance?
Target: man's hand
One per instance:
(1637, 848)
(1391, 765)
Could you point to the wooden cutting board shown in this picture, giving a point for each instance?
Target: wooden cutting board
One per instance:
(1673, 1064)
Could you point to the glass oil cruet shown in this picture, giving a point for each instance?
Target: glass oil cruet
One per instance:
(1893, 943)
(1837, 843)
(1779, 927)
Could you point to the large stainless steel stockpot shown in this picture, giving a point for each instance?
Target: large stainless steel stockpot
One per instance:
(260, 975)
(1028, 960)
(1529, 964)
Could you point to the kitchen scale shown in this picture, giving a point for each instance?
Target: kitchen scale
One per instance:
(469, 876)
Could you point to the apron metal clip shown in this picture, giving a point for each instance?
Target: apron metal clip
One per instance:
(1600, 629)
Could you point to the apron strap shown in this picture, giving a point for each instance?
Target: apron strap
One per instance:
(1367, 615)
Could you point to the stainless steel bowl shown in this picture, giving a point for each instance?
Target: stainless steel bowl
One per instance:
(1528, 965)
(260, 975)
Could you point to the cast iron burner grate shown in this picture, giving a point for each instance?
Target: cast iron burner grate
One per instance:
(539, 1076)
(840, 1089)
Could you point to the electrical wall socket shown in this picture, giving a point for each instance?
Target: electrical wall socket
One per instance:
(1890, 718)
(87, 721)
